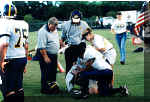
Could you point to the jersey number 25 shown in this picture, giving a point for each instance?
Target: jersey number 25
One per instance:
(22, 37)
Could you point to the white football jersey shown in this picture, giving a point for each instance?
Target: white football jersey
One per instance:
(4, 33)
(101, 42)
(4, 30)
(18, 37)
(100, 62)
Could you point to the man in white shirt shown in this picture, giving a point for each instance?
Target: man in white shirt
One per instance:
(99, 70)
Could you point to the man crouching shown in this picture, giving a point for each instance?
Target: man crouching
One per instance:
(95, 68)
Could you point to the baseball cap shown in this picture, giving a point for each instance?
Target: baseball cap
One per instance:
(76, 16)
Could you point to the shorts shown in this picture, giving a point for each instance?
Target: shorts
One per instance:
(93, 84)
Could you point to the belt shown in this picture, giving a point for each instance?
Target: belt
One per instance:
(122, 33)
(12, 59)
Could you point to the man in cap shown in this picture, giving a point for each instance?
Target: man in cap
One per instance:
(72, 35)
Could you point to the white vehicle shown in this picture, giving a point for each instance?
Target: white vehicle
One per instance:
(108, 21)
(130, 16)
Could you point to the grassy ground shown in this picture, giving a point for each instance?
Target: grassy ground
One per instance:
(131, 74)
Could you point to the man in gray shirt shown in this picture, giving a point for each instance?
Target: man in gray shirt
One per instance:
(48, 46)
(72, 35)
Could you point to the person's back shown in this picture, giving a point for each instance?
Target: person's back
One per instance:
(99, 62)
(101, 42)
(14, 52)
(18, 38)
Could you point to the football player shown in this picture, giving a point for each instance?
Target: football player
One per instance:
(3, 35)
(14, 53)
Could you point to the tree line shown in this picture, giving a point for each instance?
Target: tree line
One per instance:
(61, 9)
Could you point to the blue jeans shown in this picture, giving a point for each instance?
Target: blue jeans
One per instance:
(121, 41)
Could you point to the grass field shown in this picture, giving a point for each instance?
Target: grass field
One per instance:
(132, 73)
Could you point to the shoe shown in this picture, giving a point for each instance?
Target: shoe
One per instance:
(53, 88)
(82, 96)
(85, 96)
(124, 91)
(121, 62)
(77, 94)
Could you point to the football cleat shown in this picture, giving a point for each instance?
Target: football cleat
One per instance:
(124, 91)
(78, 94)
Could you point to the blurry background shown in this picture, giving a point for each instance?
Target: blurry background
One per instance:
(98, 14)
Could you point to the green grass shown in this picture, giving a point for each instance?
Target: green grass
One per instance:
(131, 74)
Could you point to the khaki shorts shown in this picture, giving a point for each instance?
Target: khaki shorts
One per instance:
(93, 84)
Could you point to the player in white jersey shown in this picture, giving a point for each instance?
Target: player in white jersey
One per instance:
(90, 53)
(98, 70)
(103, 46)
(14, 53)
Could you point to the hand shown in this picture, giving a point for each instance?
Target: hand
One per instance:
(47, 59)
(25, 70)
(2, 64)
(80, 69)
(89, 63)
(75, 72)
(128, 31)
(62, 44)
(113, 31)
(100, 49)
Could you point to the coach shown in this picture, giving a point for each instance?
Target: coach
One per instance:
(48, 44)
(72, 35)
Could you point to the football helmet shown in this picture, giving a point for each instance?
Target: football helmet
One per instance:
(9, 10)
